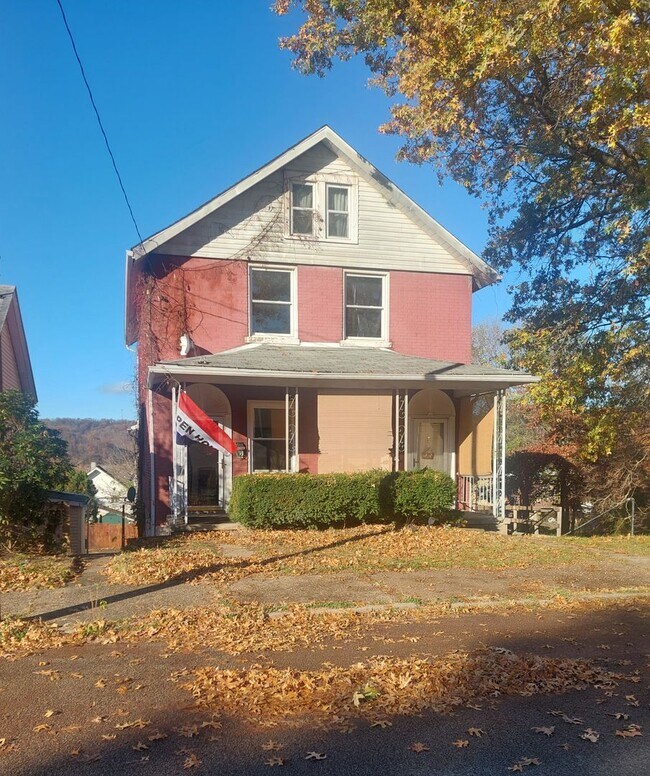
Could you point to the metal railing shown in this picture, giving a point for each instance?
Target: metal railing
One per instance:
(475, 492)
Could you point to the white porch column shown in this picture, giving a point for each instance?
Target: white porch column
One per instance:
(499, 457)
(151, 521)
(291, 435)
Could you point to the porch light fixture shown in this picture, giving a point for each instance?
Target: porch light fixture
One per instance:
(241, 450)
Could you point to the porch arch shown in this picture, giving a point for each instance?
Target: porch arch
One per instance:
(432, 431)
(214, 402)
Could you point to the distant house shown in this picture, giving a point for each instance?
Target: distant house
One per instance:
(111, 493)
(15, 366)
(324, 320)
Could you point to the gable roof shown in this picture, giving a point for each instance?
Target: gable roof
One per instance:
(11, 318)
(266, 364)
(482, 273)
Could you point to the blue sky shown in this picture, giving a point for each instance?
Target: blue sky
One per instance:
(193, 95)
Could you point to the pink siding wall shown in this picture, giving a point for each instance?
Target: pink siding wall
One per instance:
(320, 304)
(430, 315)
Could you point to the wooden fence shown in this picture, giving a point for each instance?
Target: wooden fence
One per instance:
(103, 537)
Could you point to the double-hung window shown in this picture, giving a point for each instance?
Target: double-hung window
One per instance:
(338, 211)
(365, 306)
(271, 301)
(267, 431)
(302, 208)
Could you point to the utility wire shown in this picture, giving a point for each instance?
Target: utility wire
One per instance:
(99, 121)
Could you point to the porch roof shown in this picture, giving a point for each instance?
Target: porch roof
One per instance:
(272, 364)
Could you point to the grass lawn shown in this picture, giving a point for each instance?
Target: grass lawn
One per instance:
(28, 572)
(362, 549)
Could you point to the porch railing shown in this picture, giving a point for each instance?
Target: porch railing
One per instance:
(475, 492)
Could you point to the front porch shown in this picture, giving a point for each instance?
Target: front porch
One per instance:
(327, 409)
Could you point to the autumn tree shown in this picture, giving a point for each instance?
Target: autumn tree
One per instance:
(33, 460)
(543, 111)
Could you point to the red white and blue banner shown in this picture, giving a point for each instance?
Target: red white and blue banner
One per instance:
(192, 424)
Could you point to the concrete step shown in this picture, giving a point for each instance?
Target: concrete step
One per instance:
(482, 520)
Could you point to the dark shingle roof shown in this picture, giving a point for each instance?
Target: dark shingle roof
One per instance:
(314, 360)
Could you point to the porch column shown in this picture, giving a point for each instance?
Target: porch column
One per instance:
(400, 452)
(291, 415)
(499, 457)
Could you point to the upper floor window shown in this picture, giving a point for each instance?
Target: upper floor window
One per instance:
(365, 306)
(271, 301)
(322, 207)
(338, 211)
(302, 208)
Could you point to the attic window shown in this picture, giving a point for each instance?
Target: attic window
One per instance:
(302, 208)
(338, 211)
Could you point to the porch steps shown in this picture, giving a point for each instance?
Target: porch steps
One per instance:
(210, 520)
(485, 521)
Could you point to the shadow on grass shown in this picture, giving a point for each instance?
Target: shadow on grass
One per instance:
(188, 576)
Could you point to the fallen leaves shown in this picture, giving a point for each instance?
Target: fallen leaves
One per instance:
(631, 731)
(546, 731)
(524, 762)
(418, 746)
(590, 735)
(192, 761)
(315, 756)
(462, 743)
(274, 761)
(268, 696)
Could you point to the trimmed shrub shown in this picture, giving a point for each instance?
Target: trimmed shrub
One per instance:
(424, 493)
(308, 500)
(321, 500)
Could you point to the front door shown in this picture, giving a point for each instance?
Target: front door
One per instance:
(203, 468)
(429, 444)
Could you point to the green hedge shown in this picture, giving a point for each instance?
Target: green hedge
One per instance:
(423, 493)
(321, 500)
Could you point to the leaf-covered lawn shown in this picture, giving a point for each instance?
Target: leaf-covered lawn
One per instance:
(28, 572)
(362, 549)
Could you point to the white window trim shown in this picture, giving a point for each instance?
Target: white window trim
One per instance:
(327, 211)
(320, 182)
(378, 342)
(314, 210)
(252, 405)
(286, 339)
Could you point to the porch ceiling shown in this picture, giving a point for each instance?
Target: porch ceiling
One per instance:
(335, 366)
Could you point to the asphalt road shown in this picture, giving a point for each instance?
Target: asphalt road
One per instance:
(613, 636)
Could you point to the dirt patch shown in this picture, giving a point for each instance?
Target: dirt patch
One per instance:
(308, 588)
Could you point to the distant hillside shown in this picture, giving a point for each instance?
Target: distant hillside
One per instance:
(105, 442)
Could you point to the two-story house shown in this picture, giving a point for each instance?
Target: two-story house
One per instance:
(324, 320)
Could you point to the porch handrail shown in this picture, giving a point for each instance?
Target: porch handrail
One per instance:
(475, 492)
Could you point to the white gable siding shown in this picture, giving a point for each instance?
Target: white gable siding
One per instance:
(253, 226)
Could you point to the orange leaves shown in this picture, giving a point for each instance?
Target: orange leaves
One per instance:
(631, 731)
(192, 761)
(268, 696)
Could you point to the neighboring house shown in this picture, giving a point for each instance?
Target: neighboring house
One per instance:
(324, 319)
(111, 493)
(15, 366)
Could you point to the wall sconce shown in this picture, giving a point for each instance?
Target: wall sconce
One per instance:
(241, 450)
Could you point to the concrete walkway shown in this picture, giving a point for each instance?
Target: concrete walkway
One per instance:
(91, 596)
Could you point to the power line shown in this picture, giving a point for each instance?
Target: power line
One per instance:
(99, 120)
